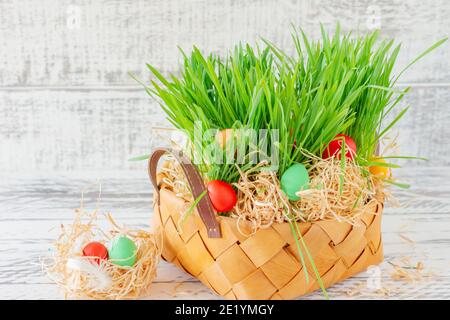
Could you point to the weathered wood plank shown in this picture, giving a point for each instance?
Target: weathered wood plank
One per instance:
(423, 130)
(75, 130)
(196, 290)
(416, 24)
(67, 130)
(50, 196)
(61, 43)
(169, 290)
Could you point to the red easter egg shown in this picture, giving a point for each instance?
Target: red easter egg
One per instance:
(222, 195)
(96, 249)
(335, 146)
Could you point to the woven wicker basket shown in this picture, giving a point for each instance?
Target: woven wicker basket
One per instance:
(266, 264)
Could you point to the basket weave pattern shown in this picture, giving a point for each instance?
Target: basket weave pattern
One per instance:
(266, 264)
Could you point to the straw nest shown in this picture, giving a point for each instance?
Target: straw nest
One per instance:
(336, 192)
(81, 278)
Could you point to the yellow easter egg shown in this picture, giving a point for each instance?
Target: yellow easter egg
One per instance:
(380, 171)
(223, 136)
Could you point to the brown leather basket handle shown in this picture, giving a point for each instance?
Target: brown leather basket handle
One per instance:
(204, 206)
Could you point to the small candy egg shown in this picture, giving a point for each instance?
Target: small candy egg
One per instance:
(123, 251)
(223, 136)
(380, 171)
(95, 249)
(222, 195)
(294, 179)
(335, 146)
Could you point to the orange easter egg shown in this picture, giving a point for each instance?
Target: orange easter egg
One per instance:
(223, 136)
(380, 171)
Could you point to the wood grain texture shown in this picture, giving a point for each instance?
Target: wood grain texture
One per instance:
(32, 208)
(95, 43)
(79, 129)
(75, 129)
(67, 102)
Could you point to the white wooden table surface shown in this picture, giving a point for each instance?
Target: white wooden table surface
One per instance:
(31, 209)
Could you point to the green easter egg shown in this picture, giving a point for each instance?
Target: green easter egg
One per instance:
(294, 179)
(123, 251)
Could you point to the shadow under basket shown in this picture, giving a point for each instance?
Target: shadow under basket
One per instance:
(266, 264)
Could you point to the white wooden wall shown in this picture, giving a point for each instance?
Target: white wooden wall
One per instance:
(68, 104)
